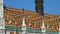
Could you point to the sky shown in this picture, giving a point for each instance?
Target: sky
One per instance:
(50, 6)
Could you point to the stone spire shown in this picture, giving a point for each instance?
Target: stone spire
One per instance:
(23, 27)
(23, 24)
(43, 27)
(39, 7)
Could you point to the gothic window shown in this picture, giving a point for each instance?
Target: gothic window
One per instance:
(11, 32)
(30, 16)
(10, 22)
(59, 19)
(11, 13)
(56, 19)
(51, 21)
(35, 22)
(20, 21)
(33, 16)
(14, 13)
(26, 20)
(30, 23)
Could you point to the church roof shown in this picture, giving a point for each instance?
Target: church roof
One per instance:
(30, 30)
(17, 14)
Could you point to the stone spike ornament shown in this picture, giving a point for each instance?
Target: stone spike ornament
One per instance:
(23, 24)
(2, 19)
(43, 28)
(23, 27)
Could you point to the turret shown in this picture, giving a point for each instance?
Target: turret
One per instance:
(39, 7)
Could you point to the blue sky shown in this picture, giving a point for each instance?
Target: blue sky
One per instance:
(50, 6)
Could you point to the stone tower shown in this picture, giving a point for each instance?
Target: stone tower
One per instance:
(2, 19)
(39, 7)
(40, 10)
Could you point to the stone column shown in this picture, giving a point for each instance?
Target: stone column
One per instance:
(59, 29)
(14, 32)
(20, 32)
(7, 32)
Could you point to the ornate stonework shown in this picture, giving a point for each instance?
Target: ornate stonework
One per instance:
(15, 15)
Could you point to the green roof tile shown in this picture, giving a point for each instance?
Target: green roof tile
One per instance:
(30, 29)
